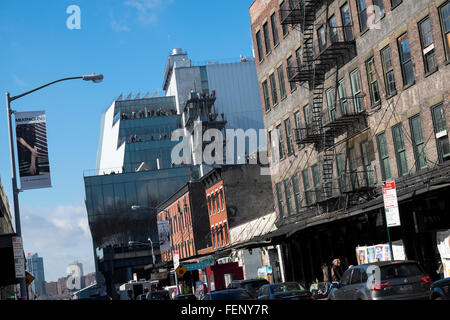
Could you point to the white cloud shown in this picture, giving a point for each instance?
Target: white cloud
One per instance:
(117, 25)
(147, 9)
(60, 235)
(20, 82)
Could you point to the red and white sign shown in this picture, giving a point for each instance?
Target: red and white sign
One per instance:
(176, 259)
(17, 247)
(391, 204)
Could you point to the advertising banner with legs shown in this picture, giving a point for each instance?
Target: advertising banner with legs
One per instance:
(32, 150)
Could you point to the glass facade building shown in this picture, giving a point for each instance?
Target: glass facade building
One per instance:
(35, 266)
(134, 168)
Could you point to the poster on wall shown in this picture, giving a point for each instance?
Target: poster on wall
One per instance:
(32, 150)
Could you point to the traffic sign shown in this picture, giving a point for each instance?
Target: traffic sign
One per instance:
(181, 270)
(28, 278)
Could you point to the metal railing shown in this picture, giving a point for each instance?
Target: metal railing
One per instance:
(344, 112)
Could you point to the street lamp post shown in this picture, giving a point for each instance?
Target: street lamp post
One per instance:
(136, 207)
(9, 112)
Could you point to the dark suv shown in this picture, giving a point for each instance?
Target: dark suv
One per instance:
(251, 285)
(390, 280)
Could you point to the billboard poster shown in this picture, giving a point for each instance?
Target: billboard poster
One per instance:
(380, 252)
(164, 235)
(32, 150)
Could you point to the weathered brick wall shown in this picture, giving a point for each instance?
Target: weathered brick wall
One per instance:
(427, 91)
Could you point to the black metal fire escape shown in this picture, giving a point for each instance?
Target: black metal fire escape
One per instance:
(335, 47)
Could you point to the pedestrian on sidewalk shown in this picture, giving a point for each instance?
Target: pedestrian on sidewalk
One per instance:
(336, 271)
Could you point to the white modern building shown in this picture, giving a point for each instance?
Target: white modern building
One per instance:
(233, 85)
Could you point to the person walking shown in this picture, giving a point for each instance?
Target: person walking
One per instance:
(336, 271)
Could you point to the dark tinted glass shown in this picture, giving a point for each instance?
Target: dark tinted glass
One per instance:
(400, 271)
(235, 295)
(356, 276)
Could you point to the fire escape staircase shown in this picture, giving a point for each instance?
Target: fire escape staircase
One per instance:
(302, 14)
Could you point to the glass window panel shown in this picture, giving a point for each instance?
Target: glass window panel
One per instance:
(399, 145)
(356, 90)
(281, 82)
(280, 199)
(273, 87)
(273, 22)
(266, 37)
(298, 201)
(287, 192)
(347, 22)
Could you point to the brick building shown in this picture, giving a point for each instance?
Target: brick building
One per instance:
(7, 288)
(235, 194)
(354, 92)
(187, 212)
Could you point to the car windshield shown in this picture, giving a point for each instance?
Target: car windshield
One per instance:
(252, 287)
(402, 270)
(236, 295)
(286, 287)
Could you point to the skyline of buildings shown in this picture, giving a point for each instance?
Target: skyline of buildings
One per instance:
(135, 170)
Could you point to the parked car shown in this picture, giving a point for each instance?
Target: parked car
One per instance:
(185, 297)
(284, 291)
(158, 295)
(397, 280)
(251, 285)
(440, 290)
(228, 294)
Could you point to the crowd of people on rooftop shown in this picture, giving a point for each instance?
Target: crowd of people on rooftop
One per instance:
(147, 114)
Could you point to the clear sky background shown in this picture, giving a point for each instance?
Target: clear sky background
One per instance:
(126, 40)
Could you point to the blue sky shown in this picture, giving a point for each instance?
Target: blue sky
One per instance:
(126, 40)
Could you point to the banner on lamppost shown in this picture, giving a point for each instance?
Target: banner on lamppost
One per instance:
(391, 204)
(32, 150)
(164, 235)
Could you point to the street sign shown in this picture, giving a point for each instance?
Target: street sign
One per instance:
(197, 266)
(17, 247)
(391, 204)
(181, 270)
(19, 265)
(28, 278)
(176, 259)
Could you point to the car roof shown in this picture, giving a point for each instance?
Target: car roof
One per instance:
(384, 263)
(228, 291)
(249, 281)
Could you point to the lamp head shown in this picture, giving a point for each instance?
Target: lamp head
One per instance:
(96, 78)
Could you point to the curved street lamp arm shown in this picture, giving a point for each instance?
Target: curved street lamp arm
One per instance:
(45, 85)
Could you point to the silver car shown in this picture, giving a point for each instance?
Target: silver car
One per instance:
(391, 280)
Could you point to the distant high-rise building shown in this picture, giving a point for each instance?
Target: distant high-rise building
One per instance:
(77, 265)
(35, 266)
(51, 289)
